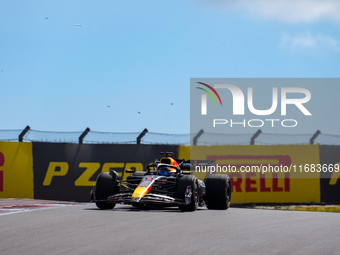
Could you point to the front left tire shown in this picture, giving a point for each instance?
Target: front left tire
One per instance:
(105, 187)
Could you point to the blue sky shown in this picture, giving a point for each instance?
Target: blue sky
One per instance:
(127, 57)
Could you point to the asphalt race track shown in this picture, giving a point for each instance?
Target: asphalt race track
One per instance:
(83, 229)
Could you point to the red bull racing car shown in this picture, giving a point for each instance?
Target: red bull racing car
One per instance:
(164, 183)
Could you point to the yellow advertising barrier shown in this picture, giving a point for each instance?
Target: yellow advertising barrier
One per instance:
(16, 170)
(263, 174)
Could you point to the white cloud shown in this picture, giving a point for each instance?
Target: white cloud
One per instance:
(291, 11)
(308, 41)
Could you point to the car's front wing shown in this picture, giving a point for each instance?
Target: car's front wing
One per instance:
(151, 198)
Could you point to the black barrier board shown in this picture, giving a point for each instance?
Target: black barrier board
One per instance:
(330, 182)
(67, 171)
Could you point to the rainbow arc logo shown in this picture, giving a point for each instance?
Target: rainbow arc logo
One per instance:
(204, 97)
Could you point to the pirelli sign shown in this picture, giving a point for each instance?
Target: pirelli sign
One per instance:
(263, 174)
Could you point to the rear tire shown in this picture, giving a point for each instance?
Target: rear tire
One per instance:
(218, 191)
(105, 187)
(183, 183)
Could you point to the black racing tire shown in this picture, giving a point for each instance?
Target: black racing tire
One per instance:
(182, 184)
(105, 187)
(105, 206)
(218, 191)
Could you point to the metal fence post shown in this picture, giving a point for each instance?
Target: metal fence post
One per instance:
(197, 136)
(252, 140)
(81, 137)
(23, 133)
(314, 136)
(139, 138)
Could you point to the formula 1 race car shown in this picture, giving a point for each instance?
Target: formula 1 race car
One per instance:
(164, 183)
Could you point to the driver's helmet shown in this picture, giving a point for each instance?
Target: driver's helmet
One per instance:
(170, 161)
(164, 170)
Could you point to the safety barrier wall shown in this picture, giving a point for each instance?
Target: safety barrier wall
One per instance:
(64, 171)
(329, 182)
(16, 170)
